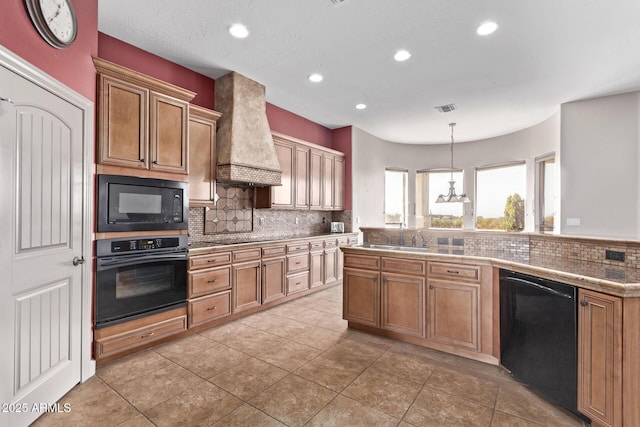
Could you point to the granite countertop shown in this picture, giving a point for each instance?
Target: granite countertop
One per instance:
(611, 279)
(198, 248)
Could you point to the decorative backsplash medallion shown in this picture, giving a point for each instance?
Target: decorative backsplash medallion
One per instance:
(232, 214)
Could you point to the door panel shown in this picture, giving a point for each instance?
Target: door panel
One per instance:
(41, 217)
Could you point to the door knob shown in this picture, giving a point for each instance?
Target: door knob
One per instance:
(77, 261)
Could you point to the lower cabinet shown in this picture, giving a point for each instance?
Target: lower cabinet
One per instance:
(361, 296)
(600, 357)
(454, 313)
(331, 264)
(211, 307)
(403, 304)
(316, 269)
(246, 286)
(273, 279)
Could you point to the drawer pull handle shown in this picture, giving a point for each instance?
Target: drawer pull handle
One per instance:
(453, 271)
(147, 335)
(212, 281)
(212, 308)
(430, 286)
(298, 283)
(142, 160)
(297, 263)
(211, 260)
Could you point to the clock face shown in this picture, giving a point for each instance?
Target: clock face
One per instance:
(55, 20)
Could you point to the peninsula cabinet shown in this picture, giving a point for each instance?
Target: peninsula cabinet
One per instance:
(361, 290)
(246, 278)
(202, 155)
(403, 306)
(142, 121)
(600, 358)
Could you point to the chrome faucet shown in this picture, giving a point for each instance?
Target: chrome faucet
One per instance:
(424, 241)
(401, 241)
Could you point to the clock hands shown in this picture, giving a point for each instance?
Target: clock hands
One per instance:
(58, 10)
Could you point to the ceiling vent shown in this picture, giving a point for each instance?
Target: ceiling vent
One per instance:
(336, 1)
(446, 108)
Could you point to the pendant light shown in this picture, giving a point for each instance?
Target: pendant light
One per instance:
(452, 197)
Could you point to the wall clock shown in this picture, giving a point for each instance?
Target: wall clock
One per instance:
(55, 20)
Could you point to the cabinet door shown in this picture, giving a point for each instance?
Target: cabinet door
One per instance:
(327, 181)
(330, 265)
(246, 289)
(338, 183)
(316, 269)
(403, 304)
(600, 357)
(454, 310)
(123, 123)
(282, 195)
(361, 297)
(168, 136)
(273, 279)
(315, 180)
(301, 200)
(202, 155)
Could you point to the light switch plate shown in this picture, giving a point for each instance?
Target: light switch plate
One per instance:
(573, 222)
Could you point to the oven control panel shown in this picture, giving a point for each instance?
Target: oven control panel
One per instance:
(144, 244)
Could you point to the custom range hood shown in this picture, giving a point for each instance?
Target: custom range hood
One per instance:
(246, 154)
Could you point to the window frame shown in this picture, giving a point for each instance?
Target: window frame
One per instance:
(459, 187)
(475, 199)
(541, 204)
(405, 196)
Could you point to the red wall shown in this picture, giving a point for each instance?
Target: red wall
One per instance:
(129, 56)
(283, 121)
(73, 65)
(341, 139)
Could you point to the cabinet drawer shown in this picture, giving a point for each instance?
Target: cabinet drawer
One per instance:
(210, 260)
(459, 271)
(362, 261)
(343, 241)
(297, 263)
(273, 251)
(317, 245)
(405, 266)
(202, 282)
(246, 255)
(330, 243)
(211, 307)
(121, 342)
(296, 248)
(298, 283)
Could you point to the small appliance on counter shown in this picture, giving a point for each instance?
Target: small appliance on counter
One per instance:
(337, 227)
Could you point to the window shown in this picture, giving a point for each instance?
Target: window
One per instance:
(500, 196)
(546, 193)
(395, 197)
(430, 184)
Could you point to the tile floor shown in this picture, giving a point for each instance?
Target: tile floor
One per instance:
(298, 364)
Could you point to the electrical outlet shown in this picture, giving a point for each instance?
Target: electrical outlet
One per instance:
(295, 221)
(261, 221)
(324, 220)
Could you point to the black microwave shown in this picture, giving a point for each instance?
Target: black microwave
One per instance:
(129, 203)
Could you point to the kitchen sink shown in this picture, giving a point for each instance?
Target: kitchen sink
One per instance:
(397, 248)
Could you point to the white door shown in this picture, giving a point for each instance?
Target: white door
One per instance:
(41, 231)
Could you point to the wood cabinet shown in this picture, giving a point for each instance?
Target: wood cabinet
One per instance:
(208, 288)
(361, 296)
(142, 121)
(330, 264)
(202, 155)
(316, 267)
(208, 308)
(315, 179)
(402, 299)
(454, 305)
(312, 177)
(246, 286)
(273, 278)
(600, 357)
(119, 340)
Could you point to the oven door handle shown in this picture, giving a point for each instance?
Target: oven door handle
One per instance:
(126, 260)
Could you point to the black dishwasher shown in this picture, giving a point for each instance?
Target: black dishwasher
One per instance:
(538, 335)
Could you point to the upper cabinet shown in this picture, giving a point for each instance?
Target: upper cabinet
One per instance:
(142, 121)
(312, 177)
(202, 155)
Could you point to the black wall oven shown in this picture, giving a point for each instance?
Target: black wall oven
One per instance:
(138, 277)
(129, 203)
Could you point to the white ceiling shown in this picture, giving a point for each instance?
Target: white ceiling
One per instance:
(545, 52)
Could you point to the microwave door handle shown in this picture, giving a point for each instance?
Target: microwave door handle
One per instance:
(131, 260)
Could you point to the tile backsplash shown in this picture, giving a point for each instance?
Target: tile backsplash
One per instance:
(235, 220)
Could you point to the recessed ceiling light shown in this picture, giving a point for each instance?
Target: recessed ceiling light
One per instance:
(361, 106)
(487, 28)
(238, 31)
(315, 77)
(402, 55)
